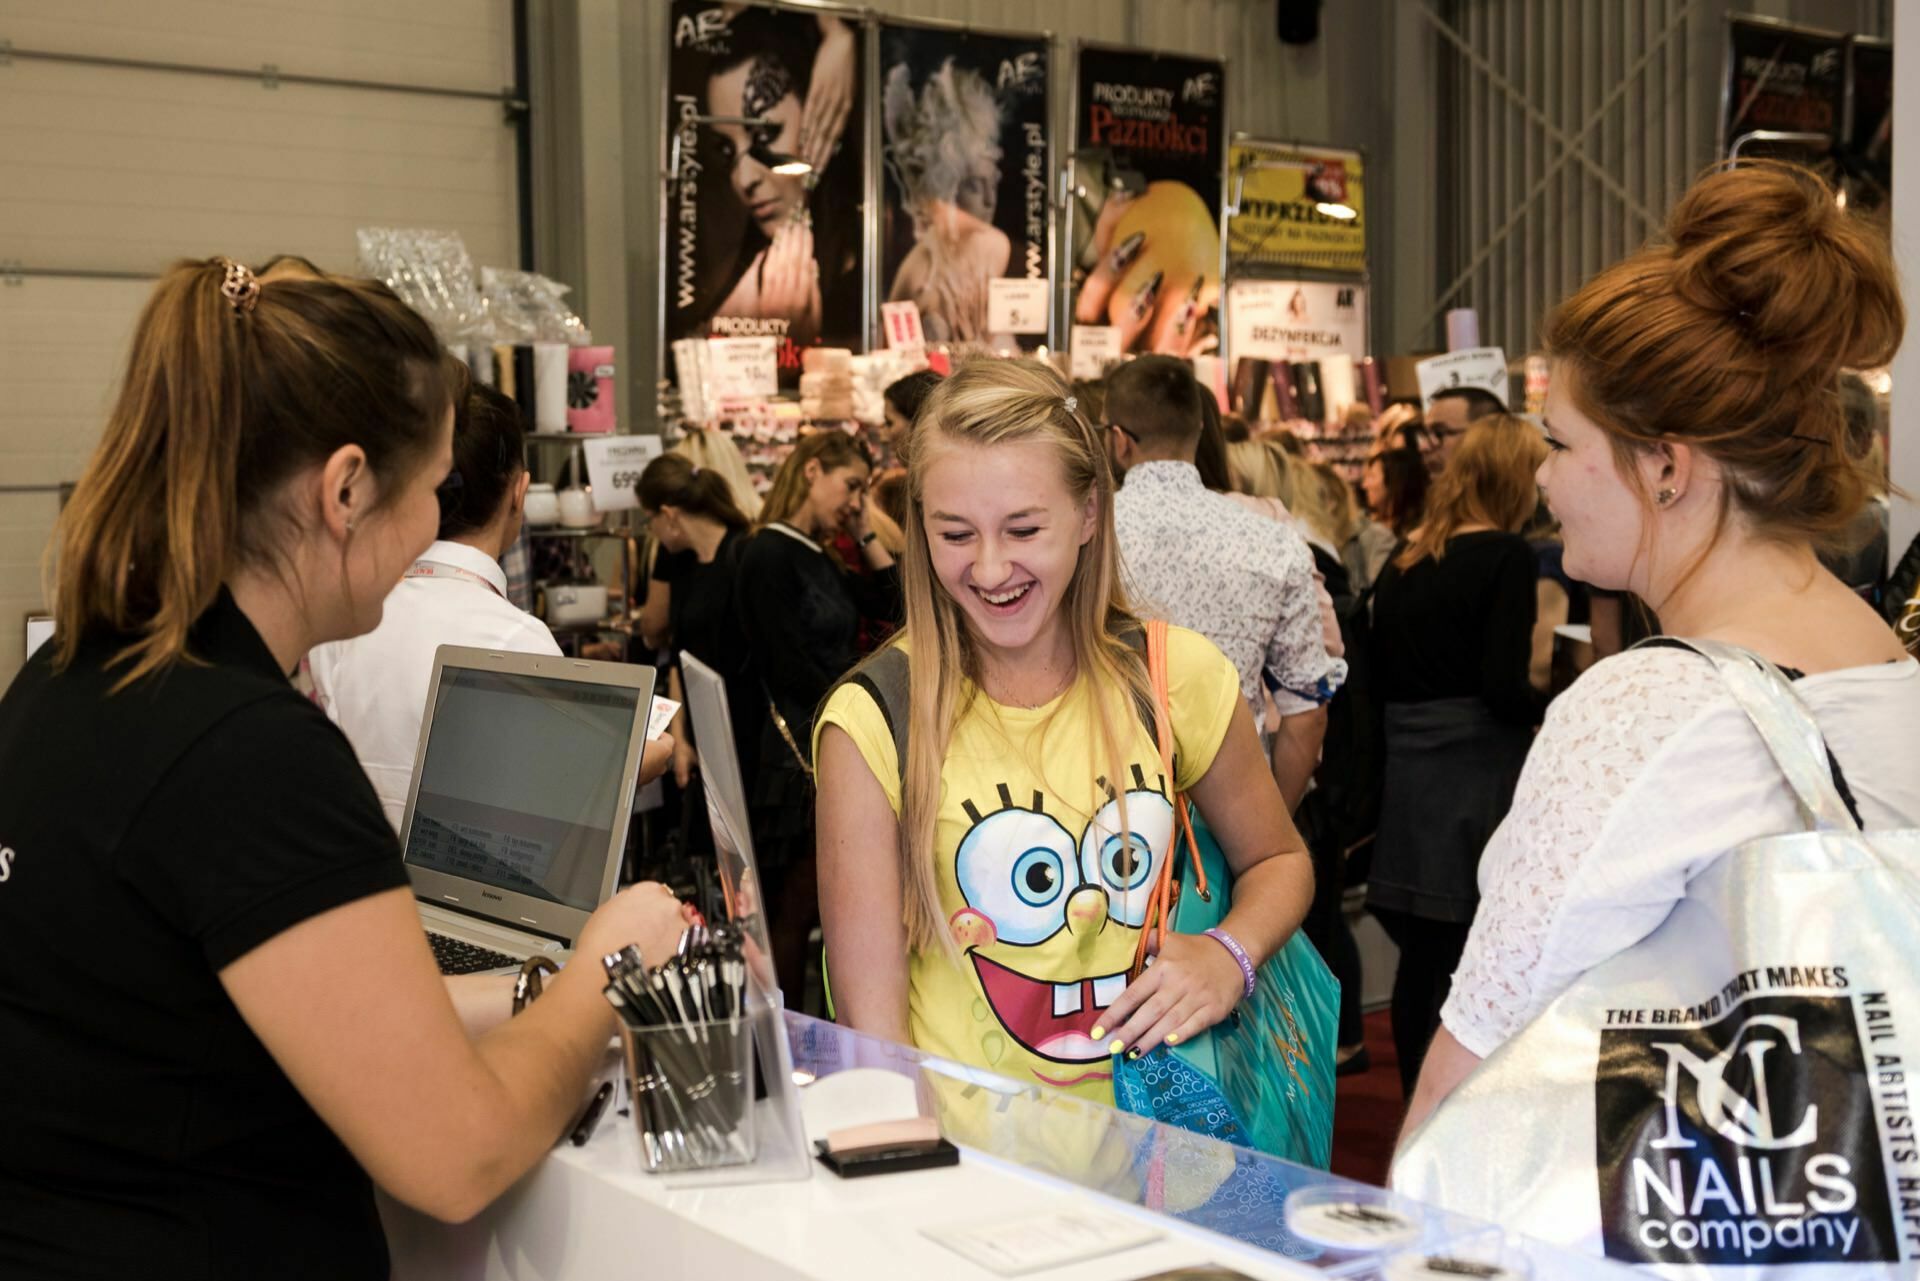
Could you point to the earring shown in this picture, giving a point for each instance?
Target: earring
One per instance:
(1665, 496)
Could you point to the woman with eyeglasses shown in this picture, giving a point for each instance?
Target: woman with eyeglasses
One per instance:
(375, 686)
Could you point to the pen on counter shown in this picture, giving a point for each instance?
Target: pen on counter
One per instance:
(590, 1119)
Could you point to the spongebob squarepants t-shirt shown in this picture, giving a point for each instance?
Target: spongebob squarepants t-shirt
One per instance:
(1043, 895)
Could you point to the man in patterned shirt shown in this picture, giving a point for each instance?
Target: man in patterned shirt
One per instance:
(1204, 562)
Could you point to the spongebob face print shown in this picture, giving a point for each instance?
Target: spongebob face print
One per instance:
(1052, 921)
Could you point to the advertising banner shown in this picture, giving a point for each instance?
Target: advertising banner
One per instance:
(1784, 79)
(964, 143)
(1298, 207)
(1296, 320)
(763, 218)
(1149, 152)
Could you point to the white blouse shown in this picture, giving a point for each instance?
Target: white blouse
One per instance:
(1645, 772)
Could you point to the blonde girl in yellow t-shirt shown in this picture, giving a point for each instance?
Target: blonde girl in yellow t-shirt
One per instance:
(988, 910)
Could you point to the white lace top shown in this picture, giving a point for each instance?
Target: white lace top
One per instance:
(1644, 772)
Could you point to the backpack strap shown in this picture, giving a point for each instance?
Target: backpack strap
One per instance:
(886, 675)
(1788, 728)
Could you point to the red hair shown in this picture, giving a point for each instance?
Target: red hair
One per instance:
(1729, 335)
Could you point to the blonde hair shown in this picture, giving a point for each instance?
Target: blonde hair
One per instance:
(714, 451)
(1343, 509)
(832, 449)
(1254, 468)
(1301, 491)
(1488, 481)
(1267, 469)
(985, 403)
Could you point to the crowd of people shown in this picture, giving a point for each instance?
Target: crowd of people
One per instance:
(947, 704)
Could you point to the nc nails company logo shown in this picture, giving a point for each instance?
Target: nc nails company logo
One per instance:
(1746, 1140)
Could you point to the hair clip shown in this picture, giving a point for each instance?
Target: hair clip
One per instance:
(1072, 403)
(240, 287)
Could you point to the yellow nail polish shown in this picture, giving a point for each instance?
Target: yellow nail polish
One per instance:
(1116, 1045)
(1173, 1038)
(1098, 1032)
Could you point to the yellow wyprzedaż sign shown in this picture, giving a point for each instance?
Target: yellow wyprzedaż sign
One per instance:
(1292, 202)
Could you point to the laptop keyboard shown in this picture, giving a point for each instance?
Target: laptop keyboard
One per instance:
(457, 957)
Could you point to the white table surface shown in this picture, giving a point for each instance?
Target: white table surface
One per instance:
(591, 1212)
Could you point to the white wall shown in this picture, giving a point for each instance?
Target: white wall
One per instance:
(118, 170)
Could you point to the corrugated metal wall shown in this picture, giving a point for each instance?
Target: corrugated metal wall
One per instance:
(1566, 130)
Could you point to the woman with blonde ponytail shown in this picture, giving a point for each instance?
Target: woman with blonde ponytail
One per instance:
(199, 893)
(980, 900)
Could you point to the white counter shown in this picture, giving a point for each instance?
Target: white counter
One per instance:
(591, 1213)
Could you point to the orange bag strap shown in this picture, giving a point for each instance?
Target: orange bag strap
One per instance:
(1160, 901)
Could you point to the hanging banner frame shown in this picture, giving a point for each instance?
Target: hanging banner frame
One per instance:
(1064, 288)
(862, 124)
(1305, 275)
(1046, 38)
(1283, 261)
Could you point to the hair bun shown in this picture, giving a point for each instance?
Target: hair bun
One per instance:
(1766, 248)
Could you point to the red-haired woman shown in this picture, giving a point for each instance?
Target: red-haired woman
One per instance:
(1700, 457)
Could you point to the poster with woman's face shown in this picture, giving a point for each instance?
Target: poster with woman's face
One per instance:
(964, 143)
(764, 211)
(1148, 156)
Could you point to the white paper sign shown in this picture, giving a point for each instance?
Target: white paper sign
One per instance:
(1295, 320)
(614, 464)
(743, 368)
(901, 320)
(1017, 305)
(1481, 367)
(1031, 1243)
(1092, 350)
(664, 710)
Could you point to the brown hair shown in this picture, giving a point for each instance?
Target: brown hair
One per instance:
(1404, 473)
(1488, 481)
(673, 481)
(220, 406)
(1729, 336)
(489, 453)
(831, 448)
(1156, 400)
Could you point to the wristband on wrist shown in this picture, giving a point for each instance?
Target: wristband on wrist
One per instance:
(1238, 953)
(868, 537)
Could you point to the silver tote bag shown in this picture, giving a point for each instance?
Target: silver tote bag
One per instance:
(1736, 1095)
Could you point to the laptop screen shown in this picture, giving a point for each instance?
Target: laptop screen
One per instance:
(521, 781)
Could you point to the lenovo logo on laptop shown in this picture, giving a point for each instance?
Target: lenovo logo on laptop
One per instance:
(1749, 1139)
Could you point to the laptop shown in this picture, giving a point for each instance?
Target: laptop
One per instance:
(516, 818)
(726, 792)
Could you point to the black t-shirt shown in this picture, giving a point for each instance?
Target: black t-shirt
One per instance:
(1460, 626)
(705, 620)
(803, 613)
(158, 834)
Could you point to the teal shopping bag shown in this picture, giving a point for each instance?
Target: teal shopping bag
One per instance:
(1263, 1077)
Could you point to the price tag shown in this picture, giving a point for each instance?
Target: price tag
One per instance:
(614, 464)
(743, 368)
(1017, 305)
(1092, 350)
(1481, 367)
(901, 320)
